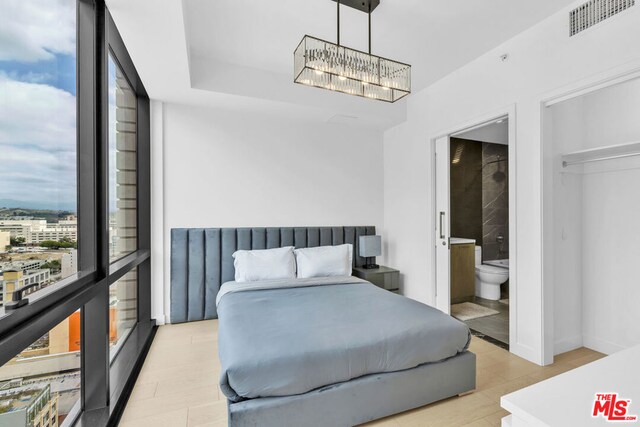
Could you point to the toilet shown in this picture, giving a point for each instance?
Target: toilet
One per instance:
(489, 278)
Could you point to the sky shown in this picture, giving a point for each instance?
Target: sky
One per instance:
(38, 104)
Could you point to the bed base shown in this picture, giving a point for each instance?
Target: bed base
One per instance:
(363, 399)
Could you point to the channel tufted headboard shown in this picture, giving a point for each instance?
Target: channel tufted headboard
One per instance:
(201, 259)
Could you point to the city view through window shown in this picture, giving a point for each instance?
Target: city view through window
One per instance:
(38, 221)
(41, 385)
(38, 213)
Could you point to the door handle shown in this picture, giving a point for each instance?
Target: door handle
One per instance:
(442, 236)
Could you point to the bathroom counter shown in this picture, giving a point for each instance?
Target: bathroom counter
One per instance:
(461, 241)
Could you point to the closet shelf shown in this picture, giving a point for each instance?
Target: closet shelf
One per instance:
(601, 153)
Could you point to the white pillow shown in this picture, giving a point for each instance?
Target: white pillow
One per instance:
(324, 261)
(266, 264)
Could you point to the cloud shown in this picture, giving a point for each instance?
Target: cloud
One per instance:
(37, 115)
(31, 77)
(34, 30)
(37, 143)
(37, 120)
(31, 174)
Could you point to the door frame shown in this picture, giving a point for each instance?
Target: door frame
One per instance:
(508, 112)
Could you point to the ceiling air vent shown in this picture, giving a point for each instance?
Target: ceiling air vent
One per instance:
(595, 11)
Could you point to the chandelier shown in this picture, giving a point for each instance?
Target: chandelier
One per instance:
(327, 65)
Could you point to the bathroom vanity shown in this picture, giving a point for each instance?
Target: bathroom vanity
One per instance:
(462, 270)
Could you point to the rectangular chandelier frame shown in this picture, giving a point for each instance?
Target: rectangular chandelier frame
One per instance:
(326, 65)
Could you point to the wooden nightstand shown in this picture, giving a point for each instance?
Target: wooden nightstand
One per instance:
(384, 277)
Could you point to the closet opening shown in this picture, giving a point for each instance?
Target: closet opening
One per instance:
(591, 199)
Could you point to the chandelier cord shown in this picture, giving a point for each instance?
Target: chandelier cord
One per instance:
(338, 3)
(338, 23)
(369, 26)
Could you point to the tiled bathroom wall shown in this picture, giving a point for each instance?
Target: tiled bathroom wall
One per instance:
(495, 201)
(480, 195)
(466, 189)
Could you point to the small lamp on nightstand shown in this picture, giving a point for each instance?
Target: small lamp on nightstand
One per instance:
(370, 247)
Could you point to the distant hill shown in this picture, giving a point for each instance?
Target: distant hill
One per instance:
(26, 204)
(49, 215)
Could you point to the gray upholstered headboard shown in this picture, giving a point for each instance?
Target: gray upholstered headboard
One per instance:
(201, 259)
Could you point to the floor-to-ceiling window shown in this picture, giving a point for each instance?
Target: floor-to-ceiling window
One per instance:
(74, 215)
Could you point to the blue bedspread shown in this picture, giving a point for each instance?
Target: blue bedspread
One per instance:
(283, 339)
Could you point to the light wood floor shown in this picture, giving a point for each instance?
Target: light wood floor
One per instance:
(178, 385)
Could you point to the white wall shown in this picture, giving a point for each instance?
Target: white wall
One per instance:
(598, 202)
(542, 61)
(564, 253)
(157, 212)
(228, 169)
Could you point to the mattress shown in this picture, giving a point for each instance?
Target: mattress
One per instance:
(284, 338)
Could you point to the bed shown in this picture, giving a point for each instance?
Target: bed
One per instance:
(328, 351)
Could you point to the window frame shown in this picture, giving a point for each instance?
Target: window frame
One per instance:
(141, 258)
(105, 382)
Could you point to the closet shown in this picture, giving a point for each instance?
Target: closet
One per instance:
(591, 199)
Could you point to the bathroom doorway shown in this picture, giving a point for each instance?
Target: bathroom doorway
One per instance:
(473, 227)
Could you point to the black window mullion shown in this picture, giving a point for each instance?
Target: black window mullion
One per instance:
(42, 301)
(144, 205)
(127, 263)
(95, 314)
(86, 147)
(31, 328)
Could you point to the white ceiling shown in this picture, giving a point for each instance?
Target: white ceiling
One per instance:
(239, 53)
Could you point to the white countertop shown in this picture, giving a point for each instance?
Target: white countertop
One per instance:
(568, 399)
(461, 241)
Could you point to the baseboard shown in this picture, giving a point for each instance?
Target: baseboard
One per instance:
(567, 344)
(603, 346)
(526, 352)
(160, 319)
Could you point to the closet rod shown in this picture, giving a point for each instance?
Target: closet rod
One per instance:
(603, 153)
(599, 159)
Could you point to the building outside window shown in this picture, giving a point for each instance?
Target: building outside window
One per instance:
(41, 385)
